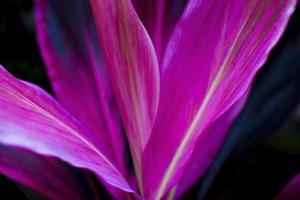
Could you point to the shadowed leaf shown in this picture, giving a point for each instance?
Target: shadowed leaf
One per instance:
(274, 97)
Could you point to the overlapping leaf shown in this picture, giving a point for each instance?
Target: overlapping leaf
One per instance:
(33, 120)
(210, 63)
(159, 18)
(133, 69)
(70, 47)
(274, 97)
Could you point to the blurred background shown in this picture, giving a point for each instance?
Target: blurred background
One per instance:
(262, 150)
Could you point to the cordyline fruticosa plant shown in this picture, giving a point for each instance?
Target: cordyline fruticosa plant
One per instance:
(169, 80)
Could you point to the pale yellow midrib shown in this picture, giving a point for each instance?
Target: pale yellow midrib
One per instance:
(191, 128)
(185, 140)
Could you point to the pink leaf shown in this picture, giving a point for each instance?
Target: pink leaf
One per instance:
(159, 18)
(44, 174)
(69, 45)
(133, 69)
(215, 50)
(33, 120)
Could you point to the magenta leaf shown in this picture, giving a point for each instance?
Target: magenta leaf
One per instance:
(69, 45)
(159, 18)
(214, 134)
(133, 69)
(291, 190)
(213, 55)
(174, 79)
(44, 174)
(33, 120)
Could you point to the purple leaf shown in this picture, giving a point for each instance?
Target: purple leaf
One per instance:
(33, 120)
(133, 68)
(215, 50)
(291, 190)
(41, 173)
(159, 18)
(213, 134)
(69, 45)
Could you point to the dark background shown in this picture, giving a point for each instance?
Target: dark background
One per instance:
(257, 166)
